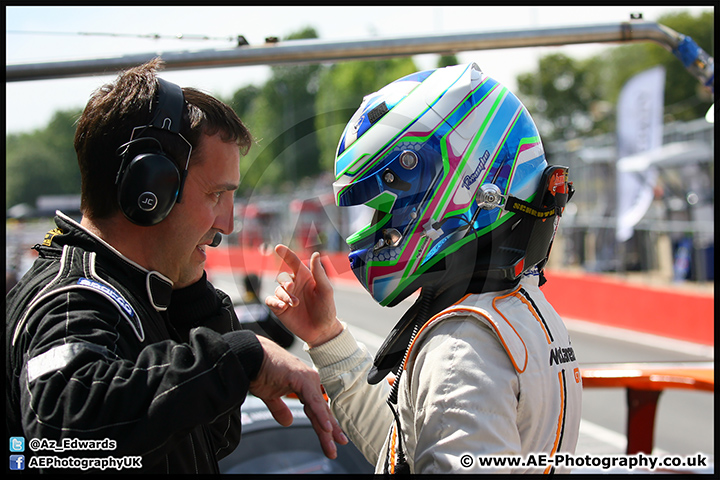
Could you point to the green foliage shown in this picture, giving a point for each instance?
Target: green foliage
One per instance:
(685, 98)
(280, 116)
(342, 88)
(557, 96)
(42, 162)
(298, 115)
(242, 100)
(447, 60)
(569, 97)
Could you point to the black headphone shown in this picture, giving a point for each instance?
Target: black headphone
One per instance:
(149, 182)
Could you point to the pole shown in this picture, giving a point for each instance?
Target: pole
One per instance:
(318, 51)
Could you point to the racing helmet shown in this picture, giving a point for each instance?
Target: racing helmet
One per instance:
(447, 158)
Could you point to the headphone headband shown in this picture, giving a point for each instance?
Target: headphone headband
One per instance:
(169, 108)
(149, 181)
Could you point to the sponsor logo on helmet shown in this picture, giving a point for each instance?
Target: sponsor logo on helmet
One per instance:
(531, 211)
(469, 180)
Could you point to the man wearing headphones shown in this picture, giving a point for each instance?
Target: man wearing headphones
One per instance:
(115, 335)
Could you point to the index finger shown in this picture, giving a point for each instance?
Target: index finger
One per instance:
(288, 256)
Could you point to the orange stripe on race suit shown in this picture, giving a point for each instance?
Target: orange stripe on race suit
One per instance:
(537, 317)
(561, 418)
(490, 322)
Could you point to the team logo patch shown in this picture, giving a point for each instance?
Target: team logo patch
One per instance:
(47, 241)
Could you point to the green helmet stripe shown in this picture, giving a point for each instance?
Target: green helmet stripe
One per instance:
(479, 135)
(367, 231)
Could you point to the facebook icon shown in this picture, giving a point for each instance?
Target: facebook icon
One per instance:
(17, 462)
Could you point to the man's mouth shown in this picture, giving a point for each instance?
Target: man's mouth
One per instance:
(202, 246)
(205, 242)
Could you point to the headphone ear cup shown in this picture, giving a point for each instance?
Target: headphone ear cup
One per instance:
(148, 188)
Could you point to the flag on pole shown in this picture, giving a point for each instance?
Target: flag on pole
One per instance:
(639, 132)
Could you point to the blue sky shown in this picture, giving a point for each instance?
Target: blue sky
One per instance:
(31, 104)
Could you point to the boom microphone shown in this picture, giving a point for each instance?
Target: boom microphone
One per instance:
(216, 240)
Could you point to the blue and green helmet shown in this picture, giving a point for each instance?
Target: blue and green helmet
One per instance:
(426, 152)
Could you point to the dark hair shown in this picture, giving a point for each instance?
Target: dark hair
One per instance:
(116, 108)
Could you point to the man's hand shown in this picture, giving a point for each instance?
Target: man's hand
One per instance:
(282, 373)
(304, 300)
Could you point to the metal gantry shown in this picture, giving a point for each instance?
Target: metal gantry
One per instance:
(699, 63)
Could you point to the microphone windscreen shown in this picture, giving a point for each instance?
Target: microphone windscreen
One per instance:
(216, 240)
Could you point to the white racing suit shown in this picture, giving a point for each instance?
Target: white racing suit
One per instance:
(493, 375)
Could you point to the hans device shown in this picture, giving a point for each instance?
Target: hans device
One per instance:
(149, 181)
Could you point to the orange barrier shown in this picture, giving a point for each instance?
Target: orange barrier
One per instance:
(681, 315)
(644, 382)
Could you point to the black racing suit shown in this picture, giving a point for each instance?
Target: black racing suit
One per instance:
(98, 347)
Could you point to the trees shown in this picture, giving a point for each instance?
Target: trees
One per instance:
(558, 96)
(280, 116)
(342, 88)
(297, 116)
(42, 162)
(569, 97)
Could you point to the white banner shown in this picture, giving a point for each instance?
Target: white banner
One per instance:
(639, 130)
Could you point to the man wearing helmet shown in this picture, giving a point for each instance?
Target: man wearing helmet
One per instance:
(466, 211)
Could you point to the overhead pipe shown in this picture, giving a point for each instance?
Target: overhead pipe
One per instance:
(699, 63)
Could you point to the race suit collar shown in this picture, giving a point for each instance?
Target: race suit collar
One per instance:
(69, 232)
